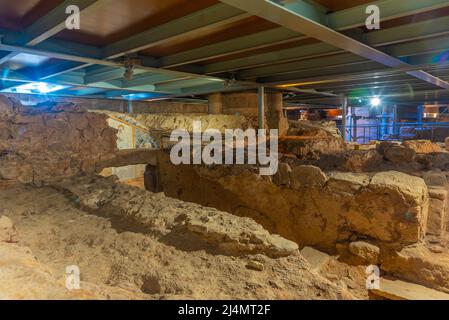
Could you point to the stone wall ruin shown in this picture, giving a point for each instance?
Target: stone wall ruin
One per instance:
(50, 141)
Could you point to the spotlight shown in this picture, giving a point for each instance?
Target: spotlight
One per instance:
(36, 88)
(375, 102)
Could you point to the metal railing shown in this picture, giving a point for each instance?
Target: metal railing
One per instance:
(365, 133)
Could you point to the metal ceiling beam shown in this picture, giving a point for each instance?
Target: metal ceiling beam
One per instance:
(77, 79)
(390, 9)
(418, 97)
(340, 20)
(47, 26)
(419, 47)
(147, 78)
(4, 85)
(380, 90)
(251, 42)
(96, 61)
(335, 74)
(54, 70)
(332, 74)
(408, 32)
(176, 85)
(101, 74)
(341, 75)
(217, 15)
(273, 57)
(55, 21)
(134, 97)
(297, 22)
(400, 50)
(344, 59)
(369, 83)
(210, 88)
(213, 16)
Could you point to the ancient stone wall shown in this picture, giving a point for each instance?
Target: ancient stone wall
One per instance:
(411, 157)
(243, 103)
(307, 206)
(117, 105)
(170, 122)
(308, 140)
(50, 141)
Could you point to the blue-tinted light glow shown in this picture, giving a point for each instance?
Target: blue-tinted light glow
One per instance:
(36, 88)
(141, 96)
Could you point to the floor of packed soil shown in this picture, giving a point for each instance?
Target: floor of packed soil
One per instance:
(117, 264)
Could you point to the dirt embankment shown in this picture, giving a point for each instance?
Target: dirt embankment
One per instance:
(141, 257)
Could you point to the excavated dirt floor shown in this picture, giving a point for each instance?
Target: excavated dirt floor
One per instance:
(119, 262)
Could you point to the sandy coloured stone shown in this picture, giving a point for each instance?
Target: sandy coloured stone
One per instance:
(303, 176)
(367, 252)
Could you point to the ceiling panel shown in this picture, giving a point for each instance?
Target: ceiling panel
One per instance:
(18, 14)
(212, 35)
(336, 5)
(118, 19)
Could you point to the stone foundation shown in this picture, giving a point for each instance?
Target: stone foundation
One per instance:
(51, 141)
(307, 206)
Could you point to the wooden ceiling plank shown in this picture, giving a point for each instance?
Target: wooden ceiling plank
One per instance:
(47, 26)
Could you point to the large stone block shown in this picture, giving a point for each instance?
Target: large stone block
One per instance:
(419, 265)
(366, 252)
(282, 177)
(437, 217)
(396, 153)
(307, 176)
(435, 178)
(51, 141)
(422, 146)
(389, 207)
(191, 224)
(311, 140)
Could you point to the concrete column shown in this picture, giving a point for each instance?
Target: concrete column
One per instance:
(215, 103)
(275, 114)
(130, 107)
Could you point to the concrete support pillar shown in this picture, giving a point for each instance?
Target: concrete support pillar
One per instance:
(275, 114)
(215, 103)
(130, 107)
